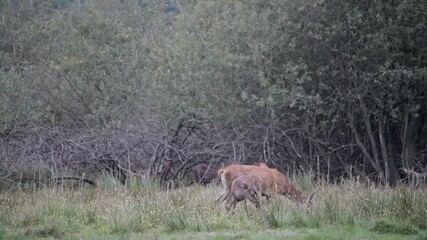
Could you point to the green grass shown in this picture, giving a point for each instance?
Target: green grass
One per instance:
(351, 210)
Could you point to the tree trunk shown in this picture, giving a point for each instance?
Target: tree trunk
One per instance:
(389, 166)
(408, 142)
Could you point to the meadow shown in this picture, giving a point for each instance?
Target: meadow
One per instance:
(351, 209)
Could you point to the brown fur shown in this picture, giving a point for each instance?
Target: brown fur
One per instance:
(246, 187)
(260, 164)
(206, 172)
(275, 182)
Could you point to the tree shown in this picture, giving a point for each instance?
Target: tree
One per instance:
(322, 80)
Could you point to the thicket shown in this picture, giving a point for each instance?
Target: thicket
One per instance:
(151, 88)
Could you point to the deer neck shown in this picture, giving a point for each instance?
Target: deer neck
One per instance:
(293, 193)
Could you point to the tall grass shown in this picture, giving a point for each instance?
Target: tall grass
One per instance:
(139, 208)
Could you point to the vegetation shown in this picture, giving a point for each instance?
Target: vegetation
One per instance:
(338, 88)
(147, 89)
(349, 210)
(335, 87)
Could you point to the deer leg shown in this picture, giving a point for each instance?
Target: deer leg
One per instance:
(227, 190)
(254, 197)
(258, 199)
(246, 208)
(220, 197)
(225, 195)
(230, 205)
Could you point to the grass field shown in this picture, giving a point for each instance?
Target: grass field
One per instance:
(350, 210)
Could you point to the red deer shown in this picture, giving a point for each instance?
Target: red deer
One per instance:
(206, 172)
(245, 187)
(275, 182)
(260, 164)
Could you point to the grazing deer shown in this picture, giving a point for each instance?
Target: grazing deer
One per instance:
(206, 173)
(245, 187)
(274, 181)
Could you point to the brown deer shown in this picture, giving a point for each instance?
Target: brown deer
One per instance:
(206, 172)
(274, 181)
(245, 187)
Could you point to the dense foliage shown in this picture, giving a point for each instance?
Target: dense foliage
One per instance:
(338, 87)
